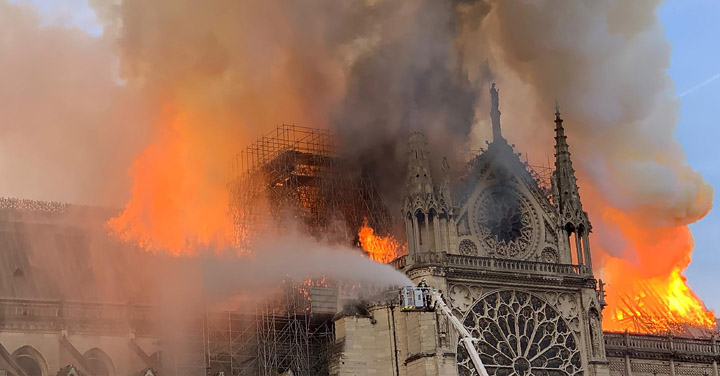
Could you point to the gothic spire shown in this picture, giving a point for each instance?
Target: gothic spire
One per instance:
(419, 181)
(572, 220)
(567, 193)
(495, 113)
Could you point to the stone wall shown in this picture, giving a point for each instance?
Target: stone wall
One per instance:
(387, 341)
(57, 333)
(55, 351)
(651, 355)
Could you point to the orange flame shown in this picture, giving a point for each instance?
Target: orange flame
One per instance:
(660, 306)
(379, 248)
(175, 207)
(647, 290)
(179, 204)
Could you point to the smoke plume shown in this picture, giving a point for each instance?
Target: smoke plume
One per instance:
(218, 76)
(68, 130)
(606, 63)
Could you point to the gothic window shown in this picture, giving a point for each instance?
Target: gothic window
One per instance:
(99, 362)
(29, 365)
(504, 220)
(421, 227)
(468, 247)
(31, 362)
(520, 334)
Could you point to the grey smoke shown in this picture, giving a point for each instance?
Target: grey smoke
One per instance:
(374, 70)
(293, 257)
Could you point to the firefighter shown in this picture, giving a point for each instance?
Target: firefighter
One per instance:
(426, 293)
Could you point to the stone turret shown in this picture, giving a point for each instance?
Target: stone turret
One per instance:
(495, 113)
(572, 220)
(426, 209)
(419, 179)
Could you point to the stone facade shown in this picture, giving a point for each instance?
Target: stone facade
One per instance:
(647, 355)
(57, 272)
(45, 338)
(512, 258)
(388, 341)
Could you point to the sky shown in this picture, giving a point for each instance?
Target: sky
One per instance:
(691, 27)
(71, 13)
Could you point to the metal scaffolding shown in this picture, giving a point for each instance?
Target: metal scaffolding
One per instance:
(289, 176)
(295, 334)
(292, 331)
(294, 174)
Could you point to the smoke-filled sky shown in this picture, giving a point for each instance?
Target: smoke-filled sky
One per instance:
(692, 28)
(180, 64)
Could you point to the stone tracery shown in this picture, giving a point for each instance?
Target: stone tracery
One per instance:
(505, 223)
(520, 334)
(467, 247)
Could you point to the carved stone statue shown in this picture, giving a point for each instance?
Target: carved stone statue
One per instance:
(595, 334)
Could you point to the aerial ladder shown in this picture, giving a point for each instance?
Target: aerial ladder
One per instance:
(425, 299)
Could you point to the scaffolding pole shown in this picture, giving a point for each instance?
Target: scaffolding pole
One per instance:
(295, 173)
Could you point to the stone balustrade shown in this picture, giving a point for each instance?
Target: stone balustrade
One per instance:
(618, 344)
(491, 263)
(51, 315)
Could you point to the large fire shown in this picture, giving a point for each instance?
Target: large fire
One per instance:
(379, 248)
(660, 305)
(176, 206)
(648, 293)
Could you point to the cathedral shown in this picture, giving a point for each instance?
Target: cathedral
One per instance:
(511, 259)
(514, 264)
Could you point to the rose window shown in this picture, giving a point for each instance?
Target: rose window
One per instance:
(504, 221)
(519, 334)
(467, 247)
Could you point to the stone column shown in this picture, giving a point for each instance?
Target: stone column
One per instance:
(410, 234)
(586, 249)
(436, 228)
(578, 248)
(416, 233)
(628, 370)
(713, 342)
(443, 234)
(672, 367)
(427, 231)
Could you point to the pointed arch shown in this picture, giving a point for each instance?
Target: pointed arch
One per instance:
(569, 228)
(421, 222)
(433, 230)
(31, 361)
(100, 362)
